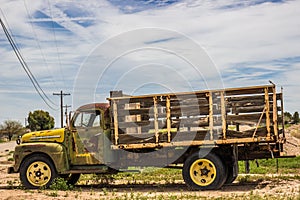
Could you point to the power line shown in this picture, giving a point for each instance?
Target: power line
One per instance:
(55, 41)
(37, 41)
(24, 65)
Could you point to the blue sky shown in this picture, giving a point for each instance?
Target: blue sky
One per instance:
(145, 47)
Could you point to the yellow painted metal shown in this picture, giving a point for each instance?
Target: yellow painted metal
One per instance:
(56, 151)
(38, 174)
(223, 112)
(55, 135)
(211, 114)
(282, 111)
(116, 126)
(267, 104)
(155, 119)
(259, 121)
(168, 111)
(87, 159)
(275, 120)
(195, 92)
(236, 98)
(203, 172)
(194, 143)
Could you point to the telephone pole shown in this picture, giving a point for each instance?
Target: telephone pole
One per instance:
(61, 94)
(66, 113)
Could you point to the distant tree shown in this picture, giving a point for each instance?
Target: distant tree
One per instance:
(296, 118)
(287, 117)
(40, 120)
(10, 128)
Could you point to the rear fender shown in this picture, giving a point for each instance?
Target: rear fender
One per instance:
(56, 152)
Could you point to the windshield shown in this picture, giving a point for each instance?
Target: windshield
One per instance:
(87, 119)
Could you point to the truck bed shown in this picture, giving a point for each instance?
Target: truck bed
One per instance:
(210, 117)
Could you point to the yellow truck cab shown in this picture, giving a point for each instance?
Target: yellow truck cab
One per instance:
(67, 152)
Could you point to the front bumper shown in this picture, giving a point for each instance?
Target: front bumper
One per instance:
(11, 170)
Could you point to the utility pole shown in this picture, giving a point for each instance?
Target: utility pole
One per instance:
(61, 94)
(66, 113)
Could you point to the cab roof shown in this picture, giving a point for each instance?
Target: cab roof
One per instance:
(93, 106)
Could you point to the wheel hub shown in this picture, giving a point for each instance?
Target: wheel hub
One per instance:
(203, 172)
(38, 173)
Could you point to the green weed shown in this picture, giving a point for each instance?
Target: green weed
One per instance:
(10, 159)
(269, 166)
(61, 184)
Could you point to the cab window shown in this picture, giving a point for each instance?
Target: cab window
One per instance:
(87, 119)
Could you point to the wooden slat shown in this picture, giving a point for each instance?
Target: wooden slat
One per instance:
(246, 98)
(194, 143)
(282, 112)
(168, 110)
(245, 117)
(259, 132)
(267, 111)
(249, 109)
(275, 122)
(202, 112)
(259, 121)
(175, 111)
(116, 125)
(248, 91)
(244, 103)
(211, 117)
(223, 113)
(155, 118)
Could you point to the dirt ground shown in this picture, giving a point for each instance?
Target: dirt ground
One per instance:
(277, 187)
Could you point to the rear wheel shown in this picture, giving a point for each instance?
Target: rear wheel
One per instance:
(230, 175)
(37, 171)
(204, 173)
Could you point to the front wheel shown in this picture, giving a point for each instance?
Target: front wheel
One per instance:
(37, 171)
(204, 172)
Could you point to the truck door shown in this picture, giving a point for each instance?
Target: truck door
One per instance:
(87, 136)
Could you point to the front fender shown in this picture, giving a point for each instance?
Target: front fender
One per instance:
(57, 153)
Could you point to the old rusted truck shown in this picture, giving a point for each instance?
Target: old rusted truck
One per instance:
(205, 133)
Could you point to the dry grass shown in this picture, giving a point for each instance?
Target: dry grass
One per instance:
(296, 132)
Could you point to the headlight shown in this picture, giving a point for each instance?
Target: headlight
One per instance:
(18, 141)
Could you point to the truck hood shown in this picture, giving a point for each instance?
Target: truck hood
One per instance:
(55, 135)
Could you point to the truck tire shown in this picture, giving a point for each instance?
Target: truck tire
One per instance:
(37, 171)
(204, 173)
(230, 176)
(71, 178)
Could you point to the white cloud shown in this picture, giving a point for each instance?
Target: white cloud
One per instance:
(257, 36)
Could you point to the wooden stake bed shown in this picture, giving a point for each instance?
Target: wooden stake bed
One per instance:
(210, 117)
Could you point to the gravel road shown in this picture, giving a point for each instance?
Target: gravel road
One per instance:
(7, 146)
